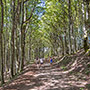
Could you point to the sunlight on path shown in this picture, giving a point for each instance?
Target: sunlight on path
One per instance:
(47, 78)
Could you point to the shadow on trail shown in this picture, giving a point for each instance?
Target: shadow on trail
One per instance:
(26, 82)
(47, 78)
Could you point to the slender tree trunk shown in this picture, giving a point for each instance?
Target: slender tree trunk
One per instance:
(1, 42)
(88, 11)
(73, 45)
(65, 41)
(43, 51)
(29, 57)
(18, 48)
(65, 35)
(84, 28)
(22, 36)
(12, 39)
(69, 11)
(62, 45)
(17, 53)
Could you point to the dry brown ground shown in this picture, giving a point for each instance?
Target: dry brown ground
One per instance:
(48, 78)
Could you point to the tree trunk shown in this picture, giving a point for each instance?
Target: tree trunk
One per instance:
(12, 39)
(62, 45)
(84, 28)
(22, 36)
(69, 11)
(29, 55)
(1, 42)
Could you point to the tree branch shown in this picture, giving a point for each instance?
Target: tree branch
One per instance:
(26, 1)
(30, 15)
(19, 3)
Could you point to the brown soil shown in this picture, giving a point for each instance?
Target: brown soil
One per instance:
(49, 78)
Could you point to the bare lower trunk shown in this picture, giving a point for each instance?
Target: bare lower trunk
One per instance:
(12, 40)
(84, 28)
(1, 42)
(22, 36)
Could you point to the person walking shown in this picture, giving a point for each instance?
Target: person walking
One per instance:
(51, 61)
(37, 62)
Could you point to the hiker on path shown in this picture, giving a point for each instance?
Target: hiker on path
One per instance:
(37, 62)
(41, 61)
(51, 61)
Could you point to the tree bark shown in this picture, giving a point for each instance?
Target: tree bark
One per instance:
(12, 39)
(69, 11)
(84, 28)
(22, 35)
(1, 42)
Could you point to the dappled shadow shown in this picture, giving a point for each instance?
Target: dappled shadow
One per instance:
(47, 79)
(51, 78)
(88, 86)
(54, 80)
(25, 82)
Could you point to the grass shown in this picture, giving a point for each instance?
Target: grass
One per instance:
(63, 67)
(82, 88)
(87, 72)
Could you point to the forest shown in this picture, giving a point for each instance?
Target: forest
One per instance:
(43, 29)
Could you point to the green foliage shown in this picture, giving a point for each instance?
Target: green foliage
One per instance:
(88, 52)
(88, 65)
(47, 28)
(63, 67)
(82, 88)
(88, 86)
(87, 72)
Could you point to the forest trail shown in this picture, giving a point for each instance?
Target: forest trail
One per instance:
(46, 79)
(49, 78)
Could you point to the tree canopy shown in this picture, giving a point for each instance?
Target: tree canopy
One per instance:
(41, 28)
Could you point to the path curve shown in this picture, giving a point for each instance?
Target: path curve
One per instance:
(46, 78)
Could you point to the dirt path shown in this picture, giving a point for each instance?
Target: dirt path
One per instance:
(47, 78)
